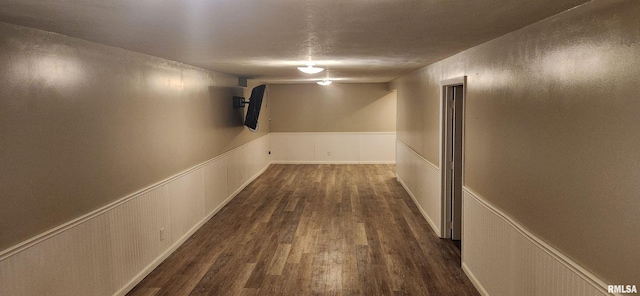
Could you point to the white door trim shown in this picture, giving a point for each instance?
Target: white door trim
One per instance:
(445, 231)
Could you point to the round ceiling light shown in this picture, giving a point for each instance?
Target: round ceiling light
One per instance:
(310, 69)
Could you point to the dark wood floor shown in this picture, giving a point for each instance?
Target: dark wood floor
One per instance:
(314, 230)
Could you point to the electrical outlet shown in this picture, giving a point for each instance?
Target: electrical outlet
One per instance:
(241, 174)
(328, 153)
(161, 234)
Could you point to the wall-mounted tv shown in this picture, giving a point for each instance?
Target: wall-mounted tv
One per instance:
(255, 102)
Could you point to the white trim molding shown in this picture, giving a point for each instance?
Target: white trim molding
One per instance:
(501, 257)
(109, 250)
(333, 147)
(421, 179)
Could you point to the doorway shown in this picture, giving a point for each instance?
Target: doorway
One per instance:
(453, 95)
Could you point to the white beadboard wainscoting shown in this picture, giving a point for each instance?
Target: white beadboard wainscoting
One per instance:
(108, 251)
(330, 147)
(501, 257)
(421, 179)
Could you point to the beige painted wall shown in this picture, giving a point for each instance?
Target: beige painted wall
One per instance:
(334, 108)
(552, 130)
(82, 125)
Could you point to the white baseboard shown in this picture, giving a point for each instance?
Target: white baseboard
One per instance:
(149, 268)
(434, 226)
(333, 162)
(474, 280)
(333, 148)
(421, 179)
(124, 238)
(153, 265)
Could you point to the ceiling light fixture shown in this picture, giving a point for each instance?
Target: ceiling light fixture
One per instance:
(310, 69)
(324, 82)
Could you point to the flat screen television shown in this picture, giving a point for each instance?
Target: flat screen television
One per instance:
(255, 102)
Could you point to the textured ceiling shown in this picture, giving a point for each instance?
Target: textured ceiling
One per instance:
(357, 40)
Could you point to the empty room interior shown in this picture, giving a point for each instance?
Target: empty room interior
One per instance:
(337, 147)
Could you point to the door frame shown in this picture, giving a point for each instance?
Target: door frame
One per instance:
(446, 202)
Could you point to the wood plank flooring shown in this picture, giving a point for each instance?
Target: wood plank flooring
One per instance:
(314, 230)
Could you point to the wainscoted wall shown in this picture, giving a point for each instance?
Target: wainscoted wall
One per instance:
(421, 179)
(333, 147)
(544, 107)
(106, 252)
(502, 258)
(498, 254)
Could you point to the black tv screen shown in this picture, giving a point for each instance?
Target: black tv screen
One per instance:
(255, 102)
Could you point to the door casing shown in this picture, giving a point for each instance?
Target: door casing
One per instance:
(445, 157)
